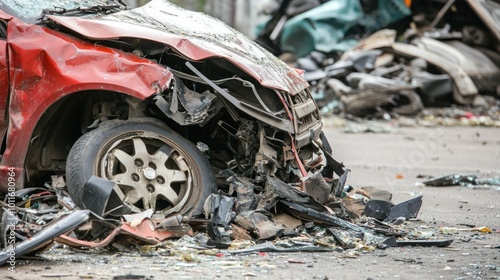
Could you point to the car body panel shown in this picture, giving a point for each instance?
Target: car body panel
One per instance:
(198, 38)
(60, 70)
(40, 74)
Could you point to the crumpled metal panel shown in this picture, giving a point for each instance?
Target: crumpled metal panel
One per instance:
(197, 38)
(386, 39)
(332, 26)
(46, 66)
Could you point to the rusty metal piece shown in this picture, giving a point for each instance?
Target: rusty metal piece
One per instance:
(288, 221)
(239, 234)
(317, 187)
(259, 222)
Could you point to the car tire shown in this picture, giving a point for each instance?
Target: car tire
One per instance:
(153, 167)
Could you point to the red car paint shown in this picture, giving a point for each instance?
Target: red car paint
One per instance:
(40, 65)
(40, 73)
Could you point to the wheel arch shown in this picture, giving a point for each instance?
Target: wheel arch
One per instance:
(66, 120)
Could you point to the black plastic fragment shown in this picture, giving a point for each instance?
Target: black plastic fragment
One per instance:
(378, 209)
(408, 209)
(425, 243)
(100, 198)
(270, 247)
(221, 211)
(452, 180)
(388, 242)
(341, 183)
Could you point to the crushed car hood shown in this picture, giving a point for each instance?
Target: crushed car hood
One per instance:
(192, 34)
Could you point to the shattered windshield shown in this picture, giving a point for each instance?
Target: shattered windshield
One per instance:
(31, 11)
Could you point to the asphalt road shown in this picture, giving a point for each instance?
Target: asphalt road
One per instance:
(389, 161)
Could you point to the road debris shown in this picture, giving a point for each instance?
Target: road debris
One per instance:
(42, 239)
(261, 177)
(470, 181)
(292, 218)
(454, 230)
(425, 243)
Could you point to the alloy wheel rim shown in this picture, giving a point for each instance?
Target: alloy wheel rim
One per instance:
(150, 173)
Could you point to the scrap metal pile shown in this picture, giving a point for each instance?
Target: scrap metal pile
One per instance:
(385, 75)
(275, 216)
(433, 54)
(227, 143)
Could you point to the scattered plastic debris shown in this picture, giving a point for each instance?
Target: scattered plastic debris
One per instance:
(265, 202)
(471, 181)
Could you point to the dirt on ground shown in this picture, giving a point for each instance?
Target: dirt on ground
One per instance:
(398, 162)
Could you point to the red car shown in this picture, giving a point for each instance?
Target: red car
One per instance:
(157, 99)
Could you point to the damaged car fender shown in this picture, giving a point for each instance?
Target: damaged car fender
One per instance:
(154, 106)
(200, 38)
(40, 74)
